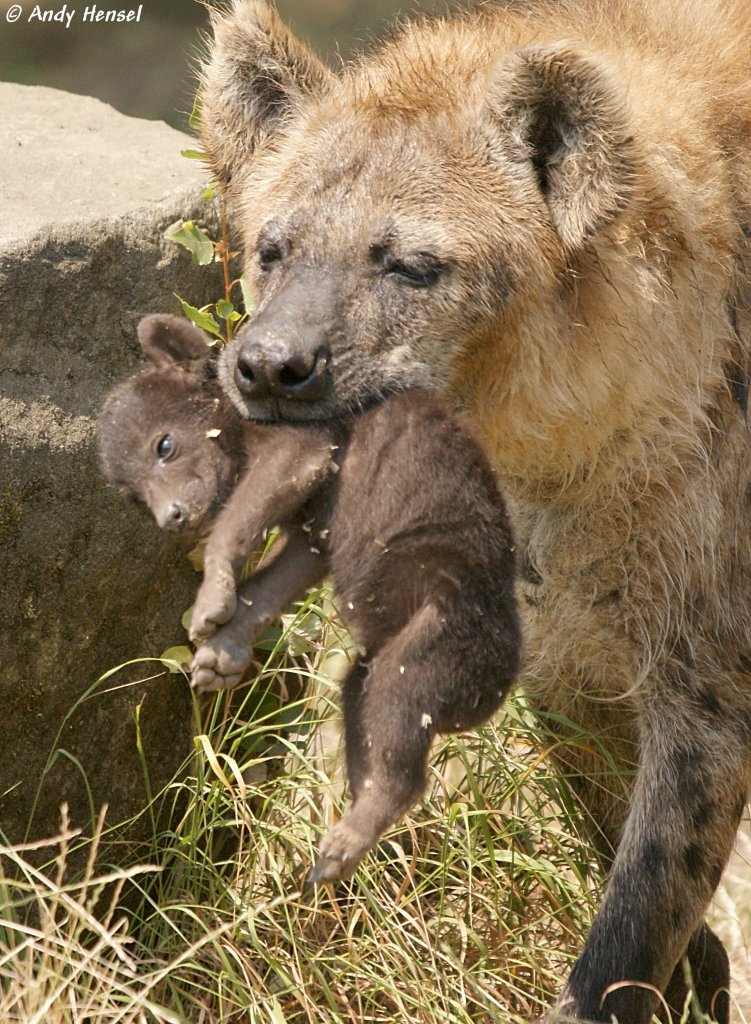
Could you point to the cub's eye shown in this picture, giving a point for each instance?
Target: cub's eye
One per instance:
(166, 447)
(269, 253)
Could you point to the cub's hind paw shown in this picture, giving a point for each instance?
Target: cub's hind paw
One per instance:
(342, 849)
(328, 869)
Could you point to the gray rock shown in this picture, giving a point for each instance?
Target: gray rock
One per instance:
(87, 581)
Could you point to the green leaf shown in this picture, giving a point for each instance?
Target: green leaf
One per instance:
(194, 239)
(193, 154)
(224, 309)
(301, 633)
(210, 191)
(247, 297)
(200, 318)
(195, 557)
(177, 659)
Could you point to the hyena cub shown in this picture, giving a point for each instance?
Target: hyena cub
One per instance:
(398, 504)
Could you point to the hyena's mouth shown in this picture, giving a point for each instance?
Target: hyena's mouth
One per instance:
(276, 410)
(272, 383)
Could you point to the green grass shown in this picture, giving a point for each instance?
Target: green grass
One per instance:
(471, 910)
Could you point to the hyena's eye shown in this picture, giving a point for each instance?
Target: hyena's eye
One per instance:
(420, 269)
(166, 447)
(269, 253)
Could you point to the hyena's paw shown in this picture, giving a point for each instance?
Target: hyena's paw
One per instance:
(215, 605)
(342, 849)
(220, 662)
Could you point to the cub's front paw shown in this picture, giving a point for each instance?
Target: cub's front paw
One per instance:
(215, 605)
(220, 662)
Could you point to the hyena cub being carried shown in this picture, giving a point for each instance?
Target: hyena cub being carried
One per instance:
(398, 503)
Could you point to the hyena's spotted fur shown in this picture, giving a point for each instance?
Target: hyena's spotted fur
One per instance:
(543, 209)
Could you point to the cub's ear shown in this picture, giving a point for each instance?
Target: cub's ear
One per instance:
(562, 114)
(256, 74)
(172, 341)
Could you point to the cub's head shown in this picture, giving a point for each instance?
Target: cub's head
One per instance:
(168, 437)
(393, 214)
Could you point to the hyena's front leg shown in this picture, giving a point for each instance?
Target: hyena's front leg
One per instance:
(687, 801)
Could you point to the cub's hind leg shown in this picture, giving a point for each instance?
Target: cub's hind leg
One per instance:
(434, 676)
(386, 743)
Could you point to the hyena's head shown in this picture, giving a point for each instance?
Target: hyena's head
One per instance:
(168, 437)
(391, 213)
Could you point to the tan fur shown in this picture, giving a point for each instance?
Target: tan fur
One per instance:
(593, 324)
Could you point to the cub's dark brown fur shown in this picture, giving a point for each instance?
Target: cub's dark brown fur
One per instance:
(399, 504)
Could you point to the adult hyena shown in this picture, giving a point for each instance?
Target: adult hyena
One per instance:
(543, 209)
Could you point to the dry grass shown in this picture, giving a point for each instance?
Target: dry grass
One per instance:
(472, 910)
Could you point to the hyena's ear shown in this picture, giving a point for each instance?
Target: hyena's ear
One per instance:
(172, 341)
(257, 73)
(562, 114)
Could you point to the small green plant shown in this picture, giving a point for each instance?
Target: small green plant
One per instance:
(221, 318)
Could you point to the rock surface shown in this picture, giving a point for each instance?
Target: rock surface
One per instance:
(87, 582)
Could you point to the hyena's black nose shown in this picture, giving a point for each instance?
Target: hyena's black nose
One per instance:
(284, 351)
(267, 368)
